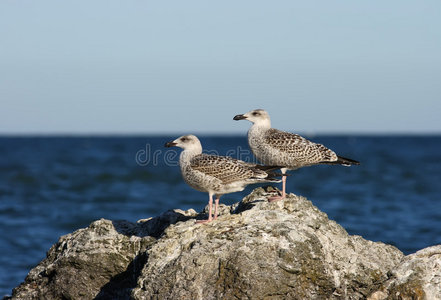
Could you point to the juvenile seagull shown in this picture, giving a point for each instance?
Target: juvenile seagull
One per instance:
(216, 175)
(280, 148)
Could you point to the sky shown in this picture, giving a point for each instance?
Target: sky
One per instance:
(155, 67)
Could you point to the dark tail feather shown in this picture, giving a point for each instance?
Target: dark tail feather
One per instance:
(273, 174)
(268, 170)
(270, 178)
(346, 161)
(273, 177)
(342, 161)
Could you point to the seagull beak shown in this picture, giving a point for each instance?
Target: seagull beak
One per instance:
(239, 117)
(170, 144)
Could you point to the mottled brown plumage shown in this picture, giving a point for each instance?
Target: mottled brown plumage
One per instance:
(289, 150)
(300, 149)
(226, 169)
(216, 175)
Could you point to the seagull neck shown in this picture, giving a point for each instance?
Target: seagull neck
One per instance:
(188, 154)
(261, 126)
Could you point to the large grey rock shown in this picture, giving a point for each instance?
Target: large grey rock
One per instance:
(255, 250)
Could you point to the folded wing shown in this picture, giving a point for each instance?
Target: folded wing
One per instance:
(226, 169)
(298, 147)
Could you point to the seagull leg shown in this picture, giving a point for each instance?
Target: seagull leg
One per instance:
(216, 206)
(210, 207)
(277, 198)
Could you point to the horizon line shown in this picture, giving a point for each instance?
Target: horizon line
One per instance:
(141, 134)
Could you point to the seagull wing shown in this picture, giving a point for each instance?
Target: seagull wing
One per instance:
(299, 147)
(224, 168)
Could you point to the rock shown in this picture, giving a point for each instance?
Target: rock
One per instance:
(418, 276)
(101, 261)
(255, 250)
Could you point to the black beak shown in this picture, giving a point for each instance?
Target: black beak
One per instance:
(170, 144)
(239, 117)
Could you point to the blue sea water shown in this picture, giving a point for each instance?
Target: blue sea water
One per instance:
(51, 186)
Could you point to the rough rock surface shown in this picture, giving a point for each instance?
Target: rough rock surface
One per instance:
(255, 250)
(418, 276)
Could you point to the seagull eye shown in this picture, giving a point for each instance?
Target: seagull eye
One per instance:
(184, 139)
(255, 113)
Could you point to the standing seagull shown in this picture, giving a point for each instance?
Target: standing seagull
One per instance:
(216, 175)
(280, 148)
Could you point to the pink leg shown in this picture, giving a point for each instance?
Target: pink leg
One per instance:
(216, 206)
(210, 205)
(277, 198)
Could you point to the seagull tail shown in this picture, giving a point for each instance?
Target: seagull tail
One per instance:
(274, 174)
(268, 178)
(342, 161)
(272, 179)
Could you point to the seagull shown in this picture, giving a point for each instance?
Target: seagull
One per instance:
(276, 147)
(217, 175)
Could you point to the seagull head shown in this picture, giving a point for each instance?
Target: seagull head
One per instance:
(186, 142)
(258, 117)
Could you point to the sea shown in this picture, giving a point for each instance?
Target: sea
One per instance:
(51, 186)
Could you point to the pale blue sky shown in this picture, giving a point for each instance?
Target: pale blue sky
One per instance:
(189, 66)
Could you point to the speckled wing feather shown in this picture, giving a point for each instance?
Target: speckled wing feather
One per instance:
(299, 147)
(224, 168)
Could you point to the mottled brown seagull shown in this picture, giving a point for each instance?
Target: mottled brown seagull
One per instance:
(216, 175)
(280, 148)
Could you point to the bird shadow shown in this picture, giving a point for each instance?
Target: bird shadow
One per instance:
(153, 227)
(244, 206)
